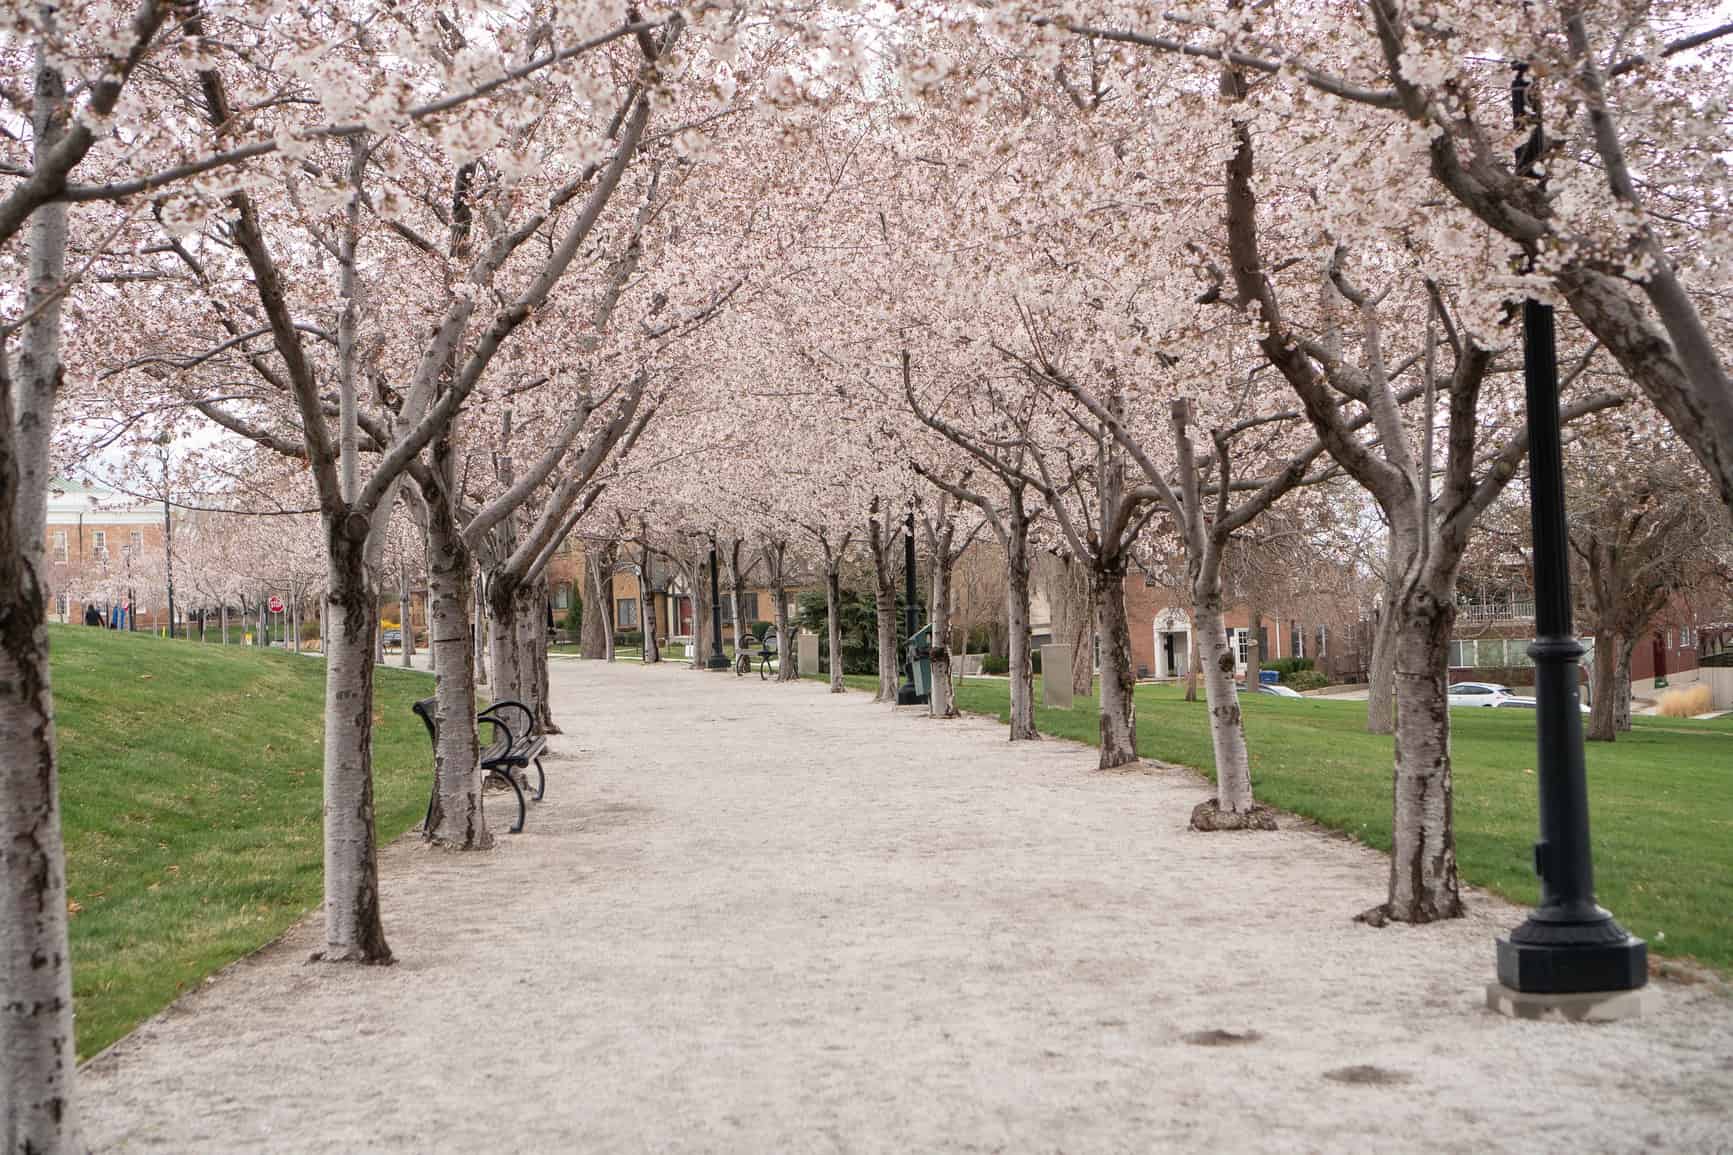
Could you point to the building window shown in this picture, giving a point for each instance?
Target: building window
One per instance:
(626, 613)
(1319, 652)
(749, 607)
(135, 542)
(99, 543)
(1297, 641)
(1242, 639)
(563, 596)
(60, 545)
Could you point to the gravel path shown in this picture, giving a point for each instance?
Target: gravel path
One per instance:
(762, 918)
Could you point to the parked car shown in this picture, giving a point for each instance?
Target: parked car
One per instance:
(1482, 694)
(393, 638)
(1278, 691)
(1494, 695)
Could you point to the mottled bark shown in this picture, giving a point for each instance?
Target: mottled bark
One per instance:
(1193, 661)
(1381, 674)
(538, 638)
(942, 698)
(883, 543)
(353, 930)
(737, 586)
(776, 560)
(1022, 668)
(647, 606)
(594, 629)
(406, 622)
(37, 1057)
(1622, 684)
(511, 630)
(1118, 706)
(1227, 729)
(456, 817)
(1603, 711)
(1423, 881)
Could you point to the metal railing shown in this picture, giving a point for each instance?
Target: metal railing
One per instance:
(1496, 609)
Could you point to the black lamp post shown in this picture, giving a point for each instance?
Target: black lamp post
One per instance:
(716, 661)
(1568, 945)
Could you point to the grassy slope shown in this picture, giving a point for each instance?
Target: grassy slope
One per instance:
(192, 794)
(1661, 797)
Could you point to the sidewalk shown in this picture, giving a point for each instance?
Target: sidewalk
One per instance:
(757, 917)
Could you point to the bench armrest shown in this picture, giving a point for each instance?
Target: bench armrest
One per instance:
(515, 718)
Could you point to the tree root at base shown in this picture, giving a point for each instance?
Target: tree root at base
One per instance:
(1208, 816)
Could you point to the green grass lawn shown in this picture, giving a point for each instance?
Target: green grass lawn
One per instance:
(190, 780)
(1661, 797)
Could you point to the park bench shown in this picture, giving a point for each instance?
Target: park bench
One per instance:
(513, 746)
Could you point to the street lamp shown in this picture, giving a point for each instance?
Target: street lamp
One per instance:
(1569, 956)
(717, 660)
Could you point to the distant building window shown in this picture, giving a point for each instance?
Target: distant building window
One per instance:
(749, 606)
(99, 543)
(1242, 639)
(1319, 652)
(1297, 641)
(626, 613)
(563, 595)
(60, 545)
(135, 542)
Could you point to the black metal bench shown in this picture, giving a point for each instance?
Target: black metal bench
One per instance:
(511, 748)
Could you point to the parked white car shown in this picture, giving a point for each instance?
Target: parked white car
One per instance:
(1491, 694)
(1485, 694)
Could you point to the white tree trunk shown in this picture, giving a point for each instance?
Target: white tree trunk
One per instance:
(1118, 706)
(737, 584)
(535, 652)
(885, 611)
(1423, 881)
(1017, 614)
(353, 930)
(479, 633)
(406, 622)
(941, 695)
(1622, 683)
(511, 626)
(596, 614)
(1227, 729)
(1381, 674)
(37, 1055)
(785, 655)
(455, 818)
(1604, 710)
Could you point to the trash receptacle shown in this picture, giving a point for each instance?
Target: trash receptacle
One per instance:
(1269, 677)
(920, 658)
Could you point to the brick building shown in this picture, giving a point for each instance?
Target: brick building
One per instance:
(105, 550)
(1161, 634)
(664, 595)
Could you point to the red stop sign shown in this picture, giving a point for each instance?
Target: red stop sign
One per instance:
(275, 604)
